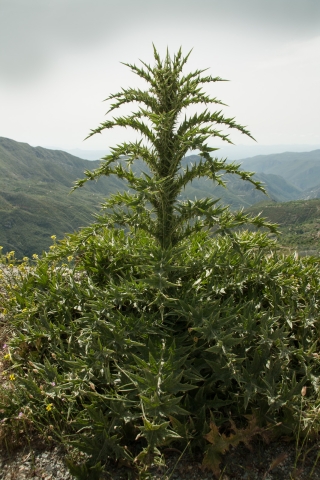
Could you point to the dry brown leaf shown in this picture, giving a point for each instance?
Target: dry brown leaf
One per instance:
(277, 461)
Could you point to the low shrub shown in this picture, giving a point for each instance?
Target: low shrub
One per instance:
(120, 351)
(158, 324)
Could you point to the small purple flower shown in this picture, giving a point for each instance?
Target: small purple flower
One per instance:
(53, 384)
(4, 346)
(20, 414)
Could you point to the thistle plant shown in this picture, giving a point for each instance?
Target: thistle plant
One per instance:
(127, 339)
(167, 135)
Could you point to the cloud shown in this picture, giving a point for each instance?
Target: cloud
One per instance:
(60, 58)
(34, 34)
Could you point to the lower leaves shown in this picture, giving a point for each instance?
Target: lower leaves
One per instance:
(118, 365)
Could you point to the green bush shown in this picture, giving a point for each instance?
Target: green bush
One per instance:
(112, 357)
(159, 324)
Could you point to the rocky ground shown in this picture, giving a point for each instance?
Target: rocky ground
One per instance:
(277, 461)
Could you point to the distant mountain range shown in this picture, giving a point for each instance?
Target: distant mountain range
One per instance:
(233, 152)
(35, 183)
(300, 170)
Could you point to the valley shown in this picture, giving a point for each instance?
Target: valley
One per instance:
(299, 223)
(35, 199)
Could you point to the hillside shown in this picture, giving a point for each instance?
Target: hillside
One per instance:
(299, 223)
(34, 196)
(300, 169)
(35, 200)
(240, 194)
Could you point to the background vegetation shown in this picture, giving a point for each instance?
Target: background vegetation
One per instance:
(299, 223)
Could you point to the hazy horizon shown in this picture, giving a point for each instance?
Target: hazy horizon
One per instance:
(232, 152)
(236, 152)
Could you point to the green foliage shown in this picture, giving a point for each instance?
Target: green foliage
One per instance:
(112, 357)
(174, 329)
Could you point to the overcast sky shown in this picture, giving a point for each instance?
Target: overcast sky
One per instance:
(60, 58)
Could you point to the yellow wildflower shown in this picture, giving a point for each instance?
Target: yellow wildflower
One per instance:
(35, 256)
(70, 258)
(53, 237)
(7, 356)
(12, 377)
(49, 407)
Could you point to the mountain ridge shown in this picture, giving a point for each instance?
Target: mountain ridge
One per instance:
(301, 169)
(35, 183)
